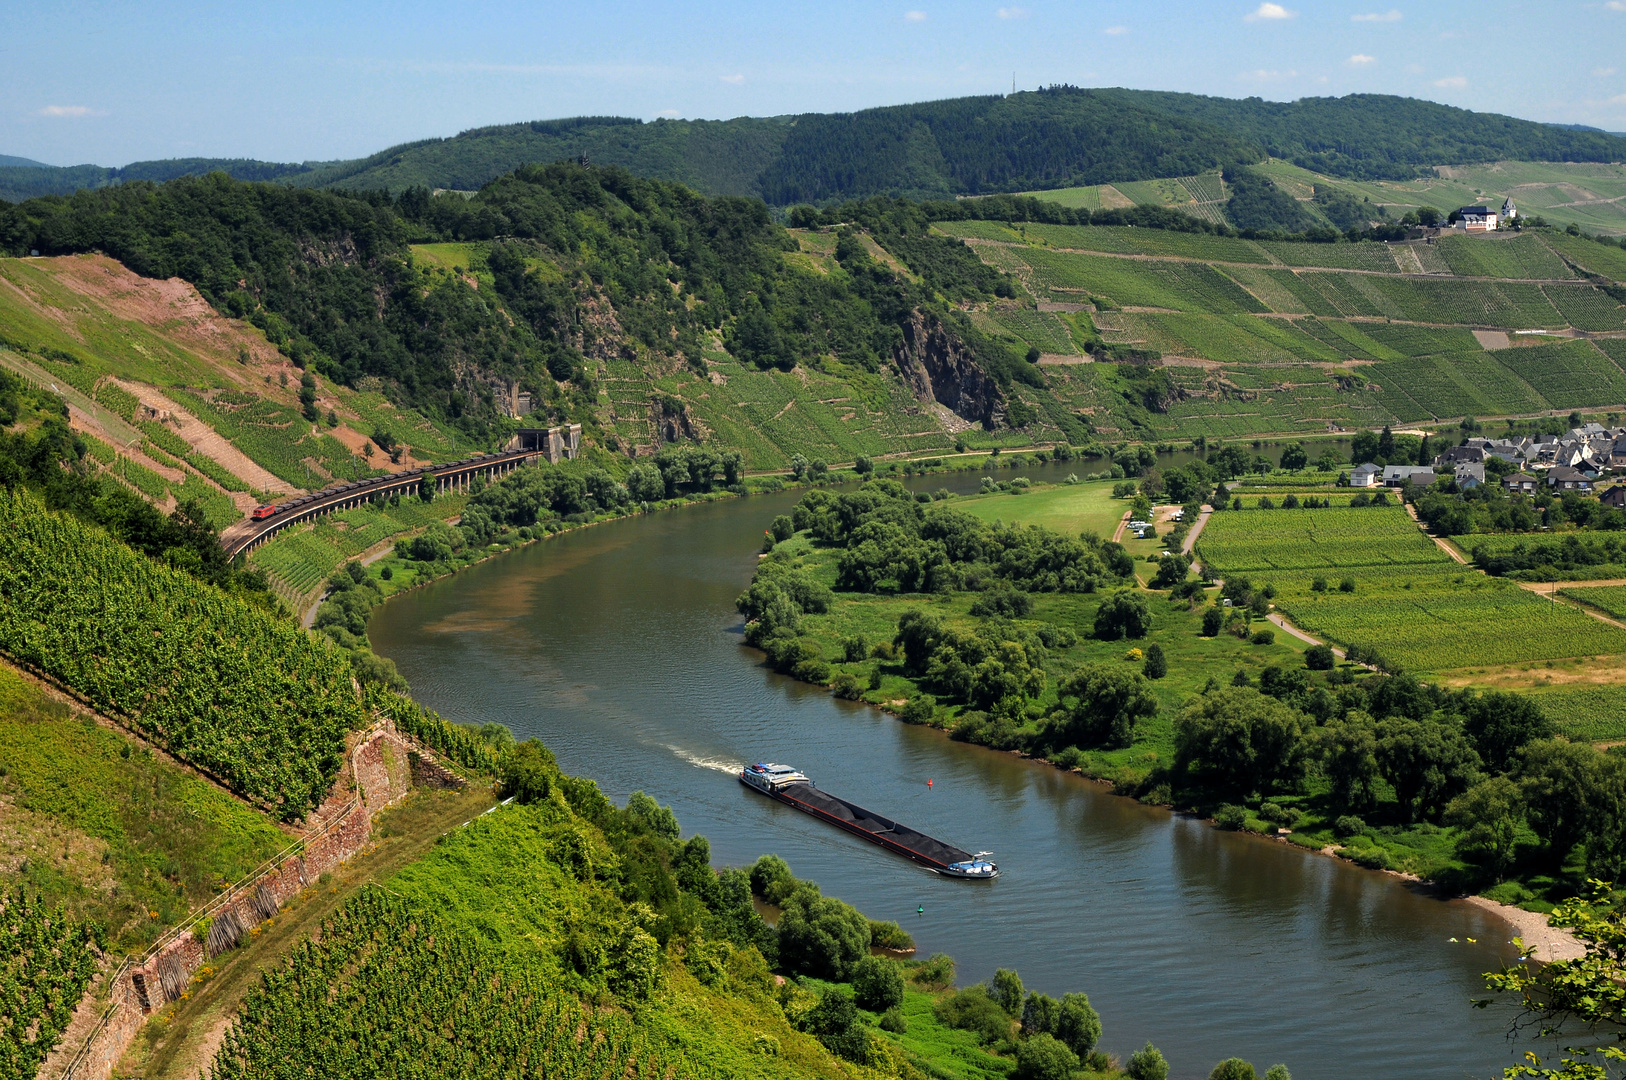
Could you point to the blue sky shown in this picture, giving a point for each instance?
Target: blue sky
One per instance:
(114, 83)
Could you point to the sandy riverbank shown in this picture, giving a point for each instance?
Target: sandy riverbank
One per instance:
(1547, 942)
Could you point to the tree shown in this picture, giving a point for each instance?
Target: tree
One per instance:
(1100, 705)
(1427, 761)
(1078, 1025)
(1006, 989)
(1348, 754)
(1294, 458)
(877, 984)
(1328, 461)
(1043, 1057)
(1489, 813)
(1171, 571)
(1122, 615)
(1241, 740)
(1233, 1069)
(1156, 665)
(1213, 622)
(1499, 725)
(645, 483)
(1147, 1063)
(1363, 448)
(1560, 782)
(821, 935)
(1040, 1012)
(1320, 658)
(863, 466)
(1386, 443)
(525, 773)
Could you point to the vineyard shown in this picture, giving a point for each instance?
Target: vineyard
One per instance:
(393, 991)
(1408, 599)
(301, 558)
(248, 698)
(46, 961)
(1517, 257)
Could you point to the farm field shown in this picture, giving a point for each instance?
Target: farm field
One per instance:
(1409, 600)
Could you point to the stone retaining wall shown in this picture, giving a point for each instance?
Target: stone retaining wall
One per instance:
(382, 768)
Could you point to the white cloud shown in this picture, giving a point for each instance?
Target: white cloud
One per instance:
(670, 114)
(1361, 60)
(1262, 75)
(1377, 16)
(1604, 73)
(735, 79)
(914, 16)
(1012, 13)
(1268, 10)
(1616, 5)
(1618, 99)
(68, 110)
(1115, 31)
(1451, 82)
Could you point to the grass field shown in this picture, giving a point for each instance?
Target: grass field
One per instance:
(1069, 509)
(97, 822)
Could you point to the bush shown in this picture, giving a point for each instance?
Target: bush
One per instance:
(1263, 637)
(1318, 584)
(834, 1022)
(1277, 814)
(1044, 1057)
(526, 773)
(854, 649)
(845, 686)
(1006, 988)
(1233, 1069)
(889, 935)
(821, 935)
(894, 1021)
(973, 1010)
(919, 710)
(1348, 825)
(936, 973)
(1347, 585)
(1078, 1024)
(1213, 622)
(1231, 816)
(1147, 1063)
(771, 879)
(1157, 665)
(877, 984)
(1320, 658)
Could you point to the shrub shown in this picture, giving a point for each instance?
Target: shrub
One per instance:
(771, 879)
(1078, 1024)
(1122, 615)
(919, 710)
(1233, 1069)
(1043, 1057)
(889, 935)
(1231, 816)
(526, 773)
(973, 1010)
(1320, 658)
(1263, 637)
(1213, 622)
(854, 649)
(834, 1022)
(1348, 825)
(1157, 665)
(1147, 1063)
(936, 973)
(845, 686)
(1318, 584)
(821, 935)
(1347, 585)
(894, 1021)
(877, 984)
(1277, 814)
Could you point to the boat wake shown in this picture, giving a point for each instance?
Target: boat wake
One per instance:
(731, 767)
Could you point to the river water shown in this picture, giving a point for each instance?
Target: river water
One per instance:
(619, 647)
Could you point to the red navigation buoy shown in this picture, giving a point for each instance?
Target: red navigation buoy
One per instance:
(928, 782)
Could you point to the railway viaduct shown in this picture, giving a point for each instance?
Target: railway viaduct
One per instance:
(528, 444)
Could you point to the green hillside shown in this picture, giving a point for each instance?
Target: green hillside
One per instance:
(1058, 137)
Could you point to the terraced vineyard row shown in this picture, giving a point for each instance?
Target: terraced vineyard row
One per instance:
(46, 961)
(248, 698)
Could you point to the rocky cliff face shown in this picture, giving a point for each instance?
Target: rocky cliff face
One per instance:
(939, 368)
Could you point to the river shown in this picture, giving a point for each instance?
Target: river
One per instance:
(619, 647)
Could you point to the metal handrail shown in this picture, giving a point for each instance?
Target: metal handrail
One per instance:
(202, 911)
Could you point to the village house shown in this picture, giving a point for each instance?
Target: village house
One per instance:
(1564, 478)
(1477, 218)
(1460, 454)
(1364, 475)
(1520, 481)
(1469, 474)
(1400, 475)
(1615, 497)
(1509, 211)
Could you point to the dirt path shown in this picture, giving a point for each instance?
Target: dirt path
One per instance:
(1123, 523)
(180, 1042)
(1550, 589)
(1282, 622)
(1439, 542)
(1189, 544)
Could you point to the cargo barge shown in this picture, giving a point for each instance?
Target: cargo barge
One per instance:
(795, 789)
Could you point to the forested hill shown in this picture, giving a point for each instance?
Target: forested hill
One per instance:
(1052, 138)
(1380, 136)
